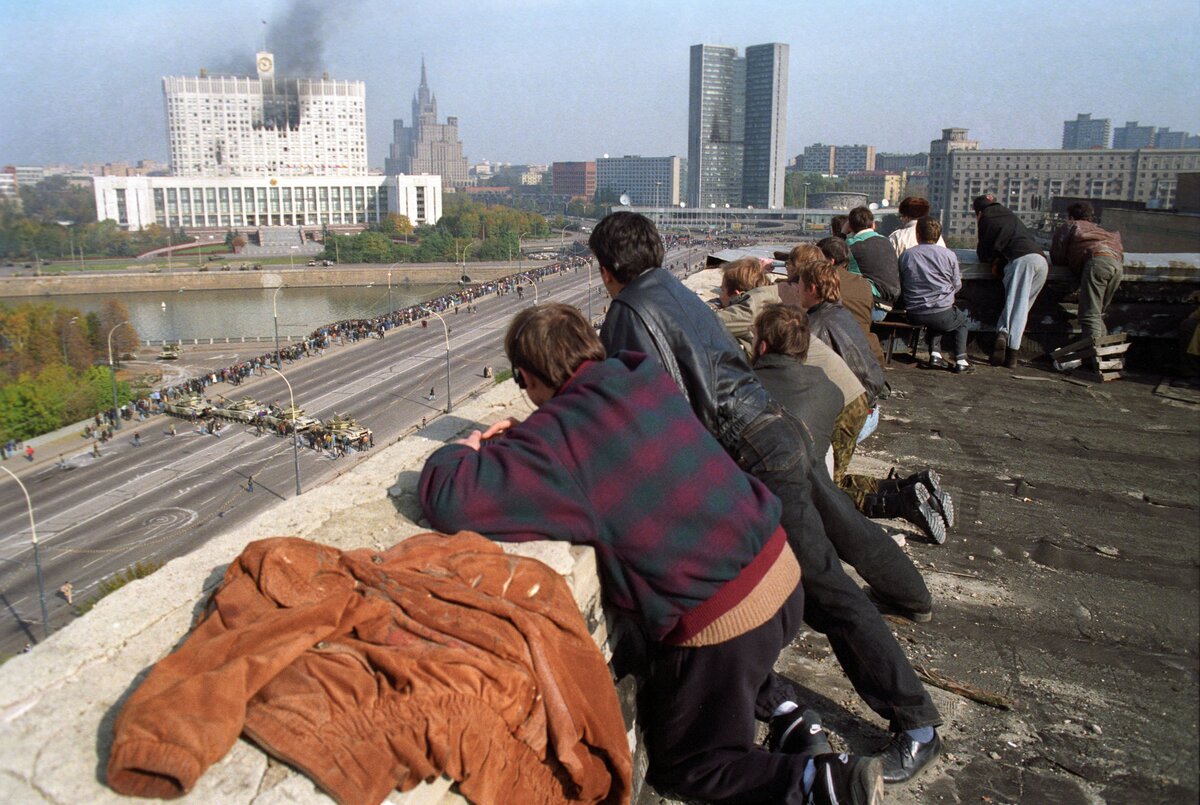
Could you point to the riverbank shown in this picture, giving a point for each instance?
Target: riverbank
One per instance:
(142, 280)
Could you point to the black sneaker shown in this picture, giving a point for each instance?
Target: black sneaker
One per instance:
(999, 348)
(846, 780)
(887, 607)
(918, 508)
(798, 733)
(905, 758)
(930, 479)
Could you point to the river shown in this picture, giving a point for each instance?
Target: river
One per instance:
(187, 315)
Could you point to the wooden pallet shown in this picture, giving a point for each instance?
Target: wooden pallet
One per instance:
(1109, 352)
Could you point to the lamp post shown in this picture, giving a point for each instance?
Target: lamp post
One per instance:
(804, 211)
(37, 562)
(64, 336)
(520, 257)
(389, 292)
(275, 315)
(292, 256)
(295, 446)
(535, 290)
(112, 370)
(446, 331)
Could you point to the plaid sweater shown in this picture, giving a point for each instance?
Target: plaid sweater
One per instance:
(617, 460)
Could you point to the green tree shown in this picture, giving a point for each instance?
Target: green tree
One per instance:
(793, 186)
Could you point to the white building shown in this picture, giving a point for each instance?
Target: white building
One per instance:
(264, 125)
(648, 181)
(225, 203)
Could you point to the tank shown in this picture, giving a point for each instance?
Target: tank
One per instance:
(344, 425)
(292, 418)
(188, 406)
(243, 410)
(169, 352)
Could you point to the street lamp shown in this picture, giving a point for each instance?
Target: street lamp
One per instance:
(446, 331)
(295, 445)
(520, 260)
(804, 211)
(112, 370)
(292, 256)
(36, 560)
(389, 292)
(275, 315)
(64, 336)
(535, 291)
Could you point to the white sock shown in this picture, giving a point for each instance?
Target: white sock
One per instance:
(784, 709)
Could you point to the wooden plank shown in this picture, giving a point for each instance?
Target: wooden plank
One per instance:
(1115, 363)
(1084, 344)
(1115, 349)
(1074, 346)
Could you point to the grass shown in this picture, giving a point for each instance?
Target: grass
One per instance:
(138, 570)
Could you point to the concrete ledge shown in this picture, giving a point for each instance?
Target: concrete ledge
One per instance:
(58, 702)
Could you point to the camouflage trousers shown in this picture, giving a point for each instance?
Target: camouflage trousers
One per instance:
(846, 428)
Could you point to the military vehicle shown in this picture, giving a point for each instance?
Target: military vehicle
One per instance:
(169, 352)
(243, 410)
(193, 406)
(343, 425)
(292, 419)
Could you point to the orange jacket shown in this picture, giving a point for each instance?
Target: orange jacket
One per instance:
(374, 671)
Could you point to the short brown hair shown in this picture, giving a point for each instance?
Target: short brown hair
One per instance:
(914, 207)
(801, 252)
(836, 224)
(551, 341)
(928, 230)
(784, 329)
(861, 218)
(821, 276)
(739, 276)
(835, 250)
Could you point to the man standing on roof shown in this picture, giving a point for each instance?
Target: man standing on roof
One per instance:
(1008, 245)
(1096, 256)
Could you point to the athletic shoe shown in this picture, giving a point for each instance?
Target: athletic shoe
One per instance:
(918, 508)
(798, 733)
(940, 497)
(904, 758)
(887, 607)
(846, 780)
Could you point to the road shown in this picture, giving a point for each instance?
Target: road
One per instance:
(162, 499)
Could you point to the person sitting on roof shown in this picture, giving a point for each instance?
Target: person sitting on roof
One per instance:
(689, 546)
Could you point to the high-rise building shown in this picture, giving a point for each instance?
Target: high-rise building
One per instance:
(764, 144)
(574, 179)
(1165, 138)
(648, 181)
(1131, 135)
(878, 185)
(1027, 180)
(737, 108)
(265, 125)
(427, 146)
(901, 162)
(853, 158)
(817, 158)
(1084, 132)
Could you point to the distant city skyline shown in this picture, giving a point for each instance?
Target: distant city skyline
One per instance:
(536, 82)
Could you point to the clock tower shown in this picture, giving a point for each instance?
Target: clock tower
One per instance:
(265, 62)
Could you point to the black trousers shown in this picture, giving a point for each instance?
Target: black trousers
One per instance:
(697, 712)
(774, 449)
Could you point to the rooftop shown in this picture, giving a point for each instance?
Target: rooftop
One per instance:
(1068, 597)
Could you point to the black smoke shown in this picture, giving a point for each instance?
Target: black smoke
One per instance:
(296, 35)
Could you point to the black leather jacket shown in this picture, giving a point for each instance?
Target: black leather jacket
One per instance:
(658, 315)
(834, 325)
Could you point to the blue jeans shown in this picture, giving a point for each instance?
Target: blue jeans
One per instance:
(1023, 281)
(775, 449)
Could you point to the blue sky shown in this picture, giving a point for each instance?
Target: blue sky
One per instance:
(538, 80)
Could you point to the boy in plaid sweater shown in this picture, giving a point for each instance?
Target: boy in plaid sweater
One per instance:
(689, 547)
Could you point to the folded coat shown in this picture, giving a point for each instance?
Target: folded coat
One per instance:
(371, 671)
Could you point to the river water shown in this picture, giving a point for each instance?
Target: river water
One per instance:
(187, 315)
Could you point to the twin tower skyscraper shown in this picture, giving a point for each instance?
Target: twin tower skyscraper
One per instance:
(737, 126)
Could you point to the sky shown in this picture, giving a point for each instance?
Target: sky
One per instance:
(536, 81)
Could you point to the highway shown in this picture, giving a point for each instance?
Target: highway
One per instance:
(162, 499)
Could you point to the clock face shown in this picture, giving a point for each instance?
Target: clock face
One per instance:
(264, 65)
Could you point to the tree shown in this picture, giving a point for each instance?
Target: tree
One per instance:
(124, 338)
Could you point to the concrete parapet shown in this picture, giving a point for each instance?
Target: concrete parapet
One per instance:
(58, 702)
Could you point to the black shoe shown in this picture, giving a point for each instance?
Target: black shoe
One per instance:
(962, 368)
(904, 758)
(999, 348)
(917, 507)
(930, 479)
(937, 362)
(1010, 358)
(887, 607)
(798, 733)
(846, 779)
